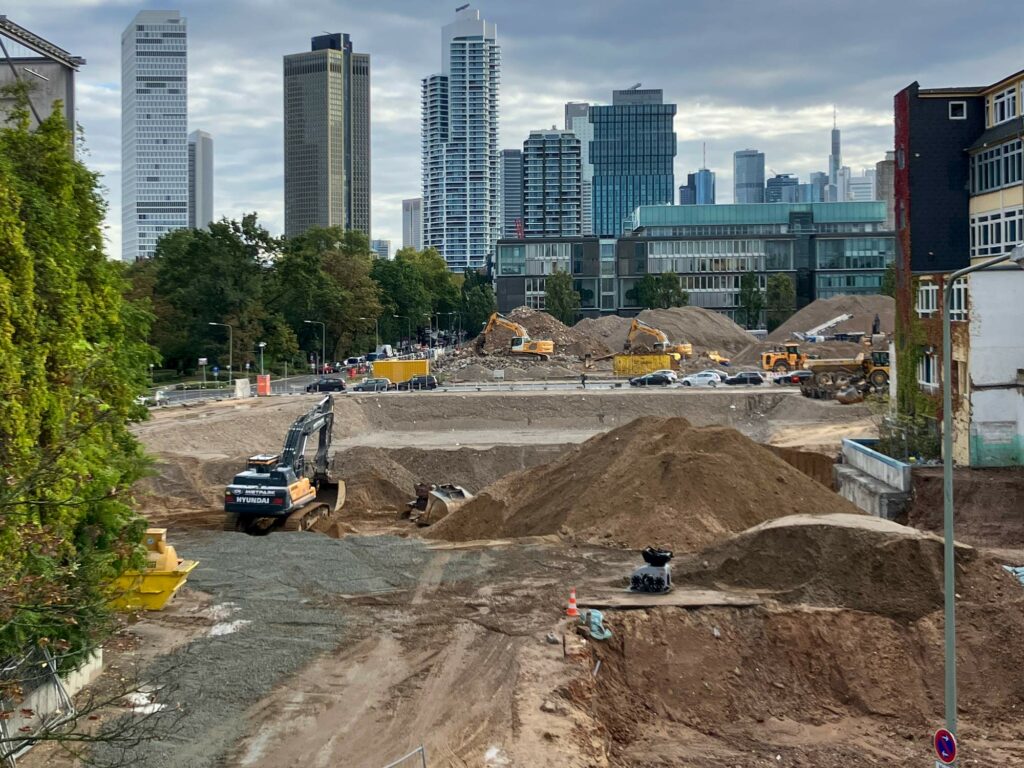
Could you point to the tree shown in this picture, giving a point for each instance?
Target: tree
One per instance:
(72, 359)
(478, 302)
(560, 299)
(751, 301)
(780, 299)
(661, 292)
(889, 281)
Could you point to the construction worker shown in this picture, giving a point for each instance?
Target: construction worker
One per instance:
(583, 380)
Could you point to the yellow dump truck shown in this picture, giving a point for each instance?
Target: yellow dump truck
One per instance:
(398, 371)
(638, 365)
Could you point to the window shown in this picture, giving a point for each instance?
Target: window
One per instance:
(996, 232)
(927, 299)
(958, 110)
(1004, 105)
(997, 167)
(928, 370)
(958, 309)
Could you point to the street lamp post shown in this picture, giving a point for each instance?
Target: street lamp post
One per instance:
(430, 330)
(262, 345)
(376, 331)
(409, 327)
(1017, 257)
(323, 341)
(231, 347)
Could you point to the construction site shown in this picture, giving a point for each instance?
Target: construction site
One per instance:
(424, 617)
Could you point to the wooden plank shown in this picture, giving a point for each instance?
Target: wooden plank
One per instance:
(678, 598)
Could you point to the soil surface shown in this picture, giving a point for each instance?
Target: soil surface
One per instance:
(863, 309)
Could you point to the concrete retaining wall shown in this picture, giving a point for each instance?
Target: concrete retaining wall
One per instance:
(859, 453)
(878, 484)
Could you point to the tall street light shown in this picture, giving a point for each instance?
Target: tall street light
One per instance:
(376, 330)
(1017, 257)
(409, 329)
(323, 341)
(430, 330)
(262, 345)
(231, 347)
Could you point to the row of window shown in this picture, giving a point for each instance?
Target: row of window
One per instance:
(997, 167)
(928, 300)
(1002, 106)
(997, 232)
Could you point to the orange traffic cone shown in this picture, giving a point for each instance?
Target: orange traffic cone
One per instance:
(572, 609)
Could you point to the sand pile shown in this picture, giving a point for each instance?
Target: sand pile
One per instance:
(541, 325)
(701, 327)
(472, 369)
(653, 481)
(863, 309)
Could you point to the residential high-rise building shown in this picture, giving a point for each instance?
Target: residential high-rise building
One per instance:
(327, 137)
(885, 190)
(748, 176)
(412, 223)
(552, 177)
(862, 188)
(511, 172)
(461, 195)
(200, 179)
(782, 188)
(578, 121)
(154, 130)
(633, 152)
(382, 248)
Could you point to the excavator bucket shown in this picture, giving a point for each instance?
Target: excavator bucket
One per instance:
(441, 501)
(332, 494)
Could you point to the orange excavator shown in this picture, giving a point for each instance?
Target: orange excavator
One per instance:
(521, 343)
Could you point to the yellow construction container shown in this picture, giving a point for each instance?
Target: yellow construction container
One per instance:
(398, 371)
(638, 365)
(152, 588)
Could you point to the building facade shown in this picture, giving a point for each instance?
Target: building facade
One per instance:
(511, 173)
(200, 179)
(48, 70)
(552, 185)
(632, 152)
(460, 153)
(573, 110)
(327, 137)
(412, 223)
(885, 172)
(826, 249)
(782, 188)
(578, 119)
(154, 131)
(862, 188)
(747, 176)
(382, 248)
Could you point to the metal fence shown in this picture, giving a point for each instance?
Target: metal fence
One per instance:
(41, 703)
(418, 757)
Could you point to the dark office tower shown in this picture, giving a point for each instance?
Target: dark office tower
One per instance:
(748, 176)
(327, 137)
(688, 191)
(633, 151)
(782, 188)
(574, 109)
(552, 180)
(511, 171)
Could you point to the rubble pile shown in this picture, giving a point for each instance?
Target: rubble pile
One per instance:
(863, 309)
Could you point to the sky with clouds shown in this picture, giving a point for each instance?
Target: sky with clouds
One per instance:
(743, 74)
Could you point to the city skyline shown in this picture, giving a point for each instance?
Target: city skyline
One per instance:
(785, 111)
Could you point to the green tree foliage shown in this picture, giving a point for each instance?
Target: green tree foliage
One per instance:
(413, 285)
(72, 359)
(660, 292)
(889, 281)
(478, 302)
(751, 301)
(561, 299)
(780, 300)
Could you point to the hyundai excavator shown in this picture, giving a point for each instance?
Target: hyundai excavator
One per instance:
(661, 343)
(287, 490)
(521, 343)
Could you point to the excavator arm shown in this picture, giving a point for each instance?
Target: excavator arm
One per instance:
(500, 321)
(639, 327)
(319, 419)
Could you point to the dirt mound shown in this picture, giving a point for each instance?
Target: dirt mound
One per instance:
(541, 325)
(988, 504)
(750, 357)
(186, 493)
(837, 561)
(473, 369)
(653, 481)
(863, 309)
(705, 329)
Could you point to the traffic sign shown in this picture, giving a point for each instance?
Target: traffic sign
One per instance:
(202, 361)
(216, 369)
(945, 746)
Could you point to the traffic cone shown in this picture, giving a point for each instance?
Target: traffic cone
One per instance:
(572, 610)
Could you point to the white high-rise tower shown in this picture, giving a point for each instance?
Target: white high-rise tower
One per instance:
(461, 194)
(154, 131)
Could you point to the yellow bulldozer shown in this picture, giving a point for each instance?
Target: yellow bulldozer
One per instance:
(521, 343)
(658, 340)
(784, 358)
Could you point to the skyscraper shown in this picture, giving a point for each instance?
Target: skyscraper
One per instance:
(578, 121)
(412, 223)
(382, 248)
(511, 173)
(688, 191)
(461, 196)
(200, 179)
(885, 176)
(782, 188)
(327, 137)
(552, 175)
(748, 176)
(633, 151)
(862, 188)
(704, 186)
(154, 131)
(835, 159)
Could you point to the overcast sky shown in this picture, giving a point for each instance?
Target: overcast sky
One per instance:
(743, 74)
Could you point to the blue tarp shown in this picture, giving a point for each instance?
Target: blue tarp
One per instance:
(1017, 571)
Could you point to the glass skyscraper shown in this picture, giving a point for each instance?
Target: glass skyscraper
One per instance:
(511, 192)
(461, 196)
(154, 131)
(552, 176)
(748, 176)
(632, 152)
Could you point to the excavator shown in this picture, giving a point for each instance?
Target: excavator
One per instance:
(287, 490)
(521, 343)
(660, 344)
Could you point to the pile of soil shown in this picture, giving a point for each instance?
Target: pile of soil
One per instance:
(751, 356)
(654, 481)
(541, 325)
(705, 329)
(473, 369)
(857, 562)
(988, 504)
(863, 309)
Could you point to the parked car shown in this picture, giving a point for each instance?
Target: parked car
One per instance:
(650, 380)
(326, 385)
(353, 362)
(794, 377)
(702, 379)
(372, 385)
(745, 377)
(419, 382)
(672, 375)
(370, 357)
(722, 375)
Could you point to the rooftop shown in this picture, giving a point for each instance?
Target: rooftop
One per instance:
(754, 213)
